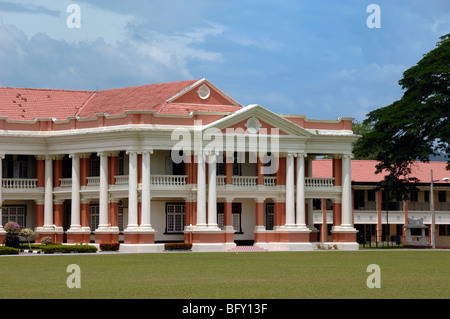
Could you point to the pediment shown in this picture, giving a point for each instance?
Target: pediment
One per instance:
(203, 92)
(255, 119)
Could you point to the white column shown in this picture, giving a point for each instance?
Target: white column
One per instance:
(346, 192)
(301, 214)
(75, 208)
(132, 191)
(201, 191)
(146, 195)
(48, 195)
(212, 201)
(2, 156)
(310, 212)
(290, 208)
(103, 205)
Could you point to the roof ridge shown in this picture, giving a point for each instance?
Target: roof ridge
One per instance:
(44, 89)
(85, 102)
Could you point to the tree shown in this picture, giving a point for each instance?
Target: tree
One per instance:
(415, 127)
(361, 128)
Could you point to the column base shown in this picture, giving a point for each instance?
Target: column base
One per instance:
(2, 235)
(343, 234)
(78, 236)
(137, 236)
(283, 235)
(55, 233)
(106, 236)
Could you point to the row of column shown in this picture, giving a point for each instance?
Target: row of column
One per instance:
(295, 191)
(104, 223)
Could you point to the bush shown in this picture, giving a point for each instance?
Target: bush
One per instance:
(47, 240)
(67, 249)
(109, 246)
(177, 246)
(8, 250)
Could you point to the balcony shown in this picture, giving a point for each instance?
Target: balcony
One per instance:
(19, 183)
(319, 182)
(168, 181)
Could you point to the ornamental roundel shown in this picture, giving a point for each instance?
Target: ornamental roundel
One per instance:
(203, 92)
(253, 125)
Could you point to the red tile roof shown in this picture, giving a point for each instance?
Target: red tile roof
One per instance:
(363, 171)
(28, 104)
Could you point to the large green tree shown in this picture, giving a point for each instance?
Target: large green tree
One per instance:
(415, 127)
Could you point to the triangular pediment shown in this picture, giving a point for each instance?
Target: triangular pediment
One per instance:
(203, 92)
(257, 119)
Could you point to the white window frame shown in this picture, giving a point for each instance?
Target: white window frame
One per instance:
(14, 213)
(175, 217)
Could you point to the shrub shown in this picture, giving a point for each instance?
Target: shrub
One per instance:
(8, 250)
(66, 249)
(47, 240)
(109, 246)
(177, 246)
(12, 228)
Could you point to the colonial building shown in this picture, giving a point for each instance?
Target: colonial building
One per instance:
(179, 161)
(378, 219)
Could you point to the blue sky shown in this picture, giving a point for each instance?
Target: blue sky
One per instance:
(317, 58)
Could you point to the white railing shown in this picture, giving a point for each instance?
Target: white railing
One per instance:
(220, 180)
(121, 180)
(168, 180)
(270, 181)
(93, 181)
(319, 182)
(19, 183)
(244, 181)
(65, 182)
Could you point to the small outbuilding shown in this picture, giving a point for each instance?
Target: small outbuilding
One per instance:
(415, 233)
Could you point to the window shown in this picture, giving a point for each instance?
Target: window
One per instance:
(358, 199)
(442, 196)
(15, 166)
(370, 195)
(175, 217)
(426, 196)
(120, 164)
(270, 216)
(94, 167)
(239, 157)
(235, 216)
(444, 230)
(14, 214)
(317, 204)
(94, 216)
(414, 196)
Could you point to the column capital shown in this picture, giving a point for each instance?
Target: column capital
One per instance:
(347, 156)
(128, 152)
(147, 151)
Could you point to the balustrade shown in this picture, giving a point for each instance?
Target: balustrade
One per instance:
(19, 183)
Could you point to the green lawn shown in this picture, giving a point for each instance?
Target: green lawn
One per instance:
(287, 275)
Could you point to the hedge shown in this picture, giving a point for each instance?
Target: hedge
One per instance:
(66, 249)
(109, 246)
(4, 250)
(177, 246)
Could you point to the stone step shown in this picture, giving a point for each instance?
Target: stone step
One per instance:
(246, 248)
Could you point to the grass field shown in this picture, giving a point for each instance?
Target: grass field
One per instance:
(274, 275)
